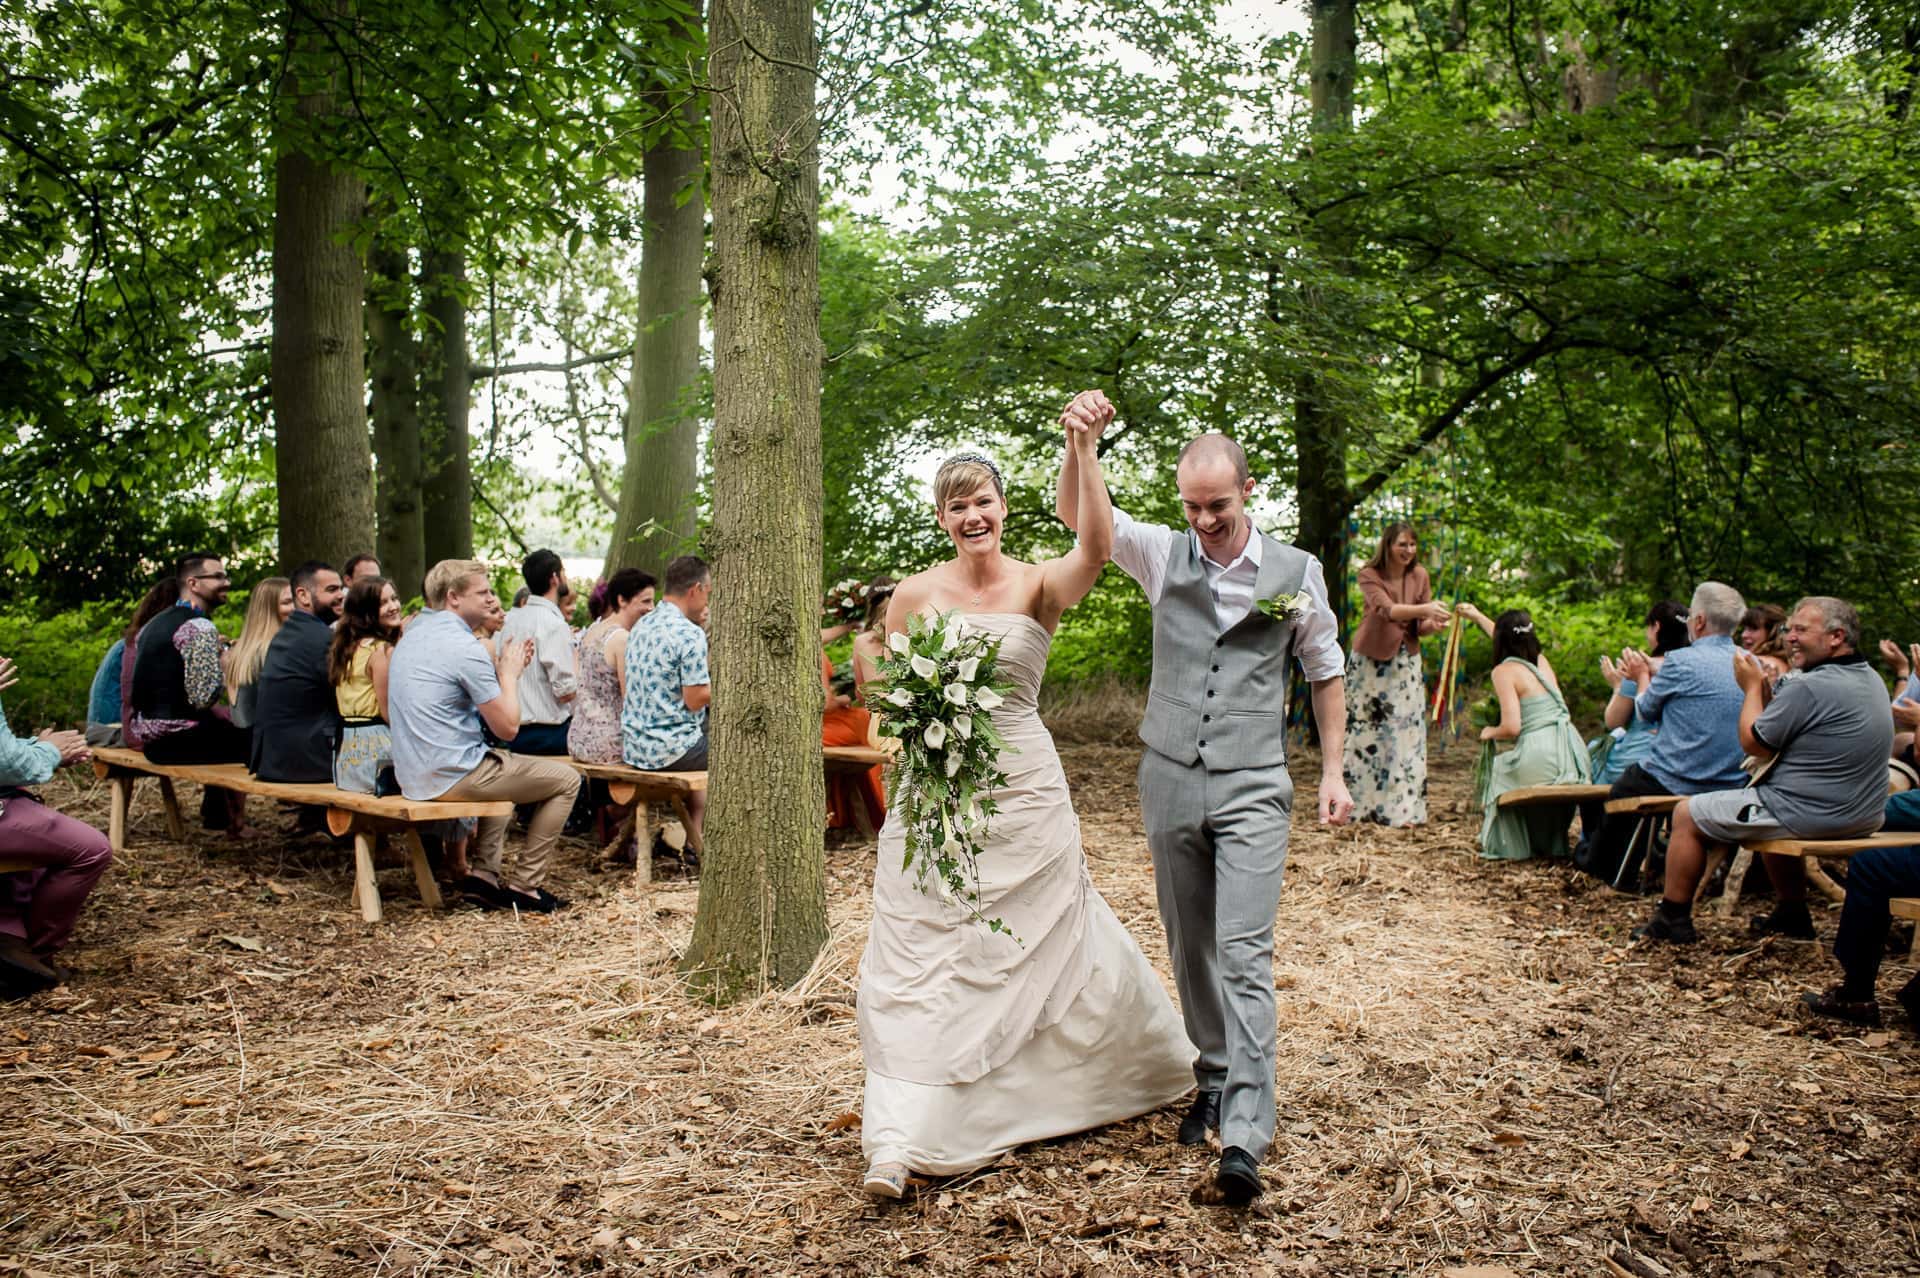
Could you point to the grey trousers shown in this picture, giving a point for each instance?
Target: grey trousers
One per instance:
(1219, 842)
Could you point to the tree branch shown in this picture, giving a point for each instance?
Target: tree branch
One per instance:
(479, 371)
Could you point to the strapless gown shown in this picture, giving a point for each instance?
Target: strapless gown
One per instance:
(975, 1043)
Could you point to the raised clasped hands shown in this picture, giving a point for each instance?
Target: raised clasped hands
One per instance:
(1636, 666)
(1614, 675)
(515, 658)
(1086, 416)
(1747, 670)
(71, 745)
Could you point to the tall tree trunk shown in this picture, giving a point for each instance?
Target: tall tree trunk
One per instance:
(656, 518)
(446, 440)
(763, 907)
(395, 354)
(323, 466)
(1320, 429)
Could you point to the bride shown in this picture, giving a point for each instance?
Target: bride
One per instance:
(974, 1042)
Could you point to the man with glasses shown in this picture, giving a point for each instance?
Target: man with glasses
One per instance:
(176, 680)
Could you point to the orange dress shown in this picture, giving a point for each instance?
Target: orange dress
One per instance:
(848, 727)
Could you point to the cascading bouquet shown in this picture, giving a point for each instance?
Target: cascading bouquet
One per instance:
(937, 691)
(847, 600)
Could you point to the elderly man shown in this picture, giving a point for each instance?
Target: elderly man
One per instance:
(1695, 703)
(1823, 742)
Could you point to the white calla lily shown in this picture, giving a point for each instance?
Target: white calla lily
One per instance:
(969, 667)
(935, 736)
(963, 727)
(900, 697)
(950, 638)
(953, 764)
(899, 643)
(956, 693)
(988, 699)
(923, 666)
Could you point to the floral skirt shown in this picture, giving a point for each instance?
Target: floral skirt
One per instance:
(1386, 761)
(364, 750)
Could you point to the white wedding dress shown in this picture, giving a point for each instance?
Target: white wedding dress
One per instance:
(975, 1042)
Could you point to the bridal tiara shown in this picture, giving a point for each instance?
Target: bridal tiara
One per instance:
(979, 459)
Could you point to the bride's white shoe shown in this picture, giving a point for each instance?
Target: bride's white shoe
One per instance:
(886, 1180)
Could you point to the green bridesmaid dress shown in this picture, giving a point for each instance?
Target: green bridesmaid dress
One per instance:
(1548, 751)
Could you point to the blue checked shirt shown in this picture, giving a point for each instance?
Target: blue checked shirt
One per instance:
(1695, 703)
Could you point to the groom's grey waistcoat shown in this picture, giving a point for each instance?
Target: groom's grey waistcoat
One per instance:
(1220, 698)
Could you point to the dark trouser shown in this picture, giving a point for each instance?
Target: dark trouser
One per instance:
(212, 740)
(1604, 835)
(1873, 878)
(694, 760)
(539, 738)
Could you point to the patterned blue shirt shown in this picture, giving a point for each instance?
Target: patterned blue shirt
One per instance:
(1695, 702)
(665, 654)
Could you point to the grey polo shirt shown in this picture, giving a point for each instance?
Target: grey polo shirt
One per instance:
(1832, 731)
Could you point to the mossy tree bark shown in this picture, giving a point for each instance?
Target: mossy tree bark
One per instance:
(322, 462)
(763, 915)
(657, 515)
(446, 440)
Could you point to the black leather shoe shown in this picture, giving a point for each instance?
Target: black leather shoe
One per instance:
(1202, 1116)
(1788, 922)
(1835, 1003)
(22, 972)
(1239, 1177)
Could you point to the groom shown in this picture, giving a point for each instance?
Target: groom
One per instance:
(1214, 789)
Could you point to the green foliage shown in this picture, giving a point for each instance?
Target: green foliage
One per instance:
(56, 657)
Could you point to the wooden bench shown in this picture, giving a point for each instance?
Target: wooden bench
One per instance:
(1810, 850)
(1530, 796)
(635, 785)
(362, 815)
(1651, 811)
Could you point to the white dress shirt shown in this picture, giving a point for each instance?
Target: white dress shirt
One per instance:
(551, 674)
(1141, 551)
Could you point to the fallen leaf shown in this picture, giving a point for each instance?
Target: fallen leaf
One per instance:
(458, 1189)
(253, 944)
(842, 1122)
(18, 1058)
(155, 1055)
(1700, 1206)
(731, 1217)
(20, 1035)
(1806, 1089)
(98, 1052)
(1098, 1167)
(1738, 1149)
(700, 1102)
(1871, 1040)
(606, 1236)
(264, 1160)
(377, 1044)
(195, 1102)
(160, 1117)
(278, 888)
(1509, 1140)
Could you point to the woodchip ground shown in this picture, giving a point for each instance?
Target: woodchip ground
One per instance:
(1479, 1075)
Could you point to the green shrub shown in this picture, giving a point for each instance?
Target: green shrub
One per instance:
(56, 657)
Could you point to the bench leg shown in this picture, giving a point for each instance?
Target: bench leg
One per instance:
(1641, 827)
(694, 841)
(366, 890)
(1714, 858)
(422, 870)
(176, 826)
(1736, 879)
(119, 799)
(1819, 878)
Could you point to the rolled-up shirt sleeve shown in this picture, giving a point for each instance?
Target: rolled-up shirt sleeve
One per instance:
(25, 761)
(1140, 551)
(555, 645)
(1316, 635)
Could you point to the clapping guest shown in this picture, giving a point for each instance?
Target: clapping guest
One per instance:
(1693, 702)
(1546, 748)
(357, 665)
(1760, 623)
(296, 717)
(1825, 736)
(1386, 756)
(1905, 668)
(547, 691)
(593, 735)
(38, 907)
(268, 608)
(107, 697)
(1631, 736)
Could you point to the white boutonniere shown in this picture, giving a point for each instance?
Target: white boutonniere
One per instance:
(1286, 607)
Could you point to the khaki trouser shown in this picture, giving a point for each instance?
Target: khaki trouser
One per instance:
(521, 778)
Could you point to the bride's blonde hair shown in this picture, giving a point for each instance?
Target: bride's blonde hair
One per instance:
(964, 473)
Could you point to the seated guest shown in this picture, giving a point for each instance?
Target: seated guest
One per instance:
(1822, 741)
(357, 666)
(548, 688)
(1874, 877)
(1760, 623)
(176, 680)
(360, 568)
(847, 723)
(1694, 703)
(441, 687)
(663, 720)
(106, 698)
(1547, 750)
(1905, 669)
(38, 907)
(296, 718)
(268, 608)
(1773, 658)
(1630, 736)
(593, 734)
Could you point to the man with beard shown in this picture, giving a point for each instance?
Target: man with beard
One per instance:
(296, 716)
